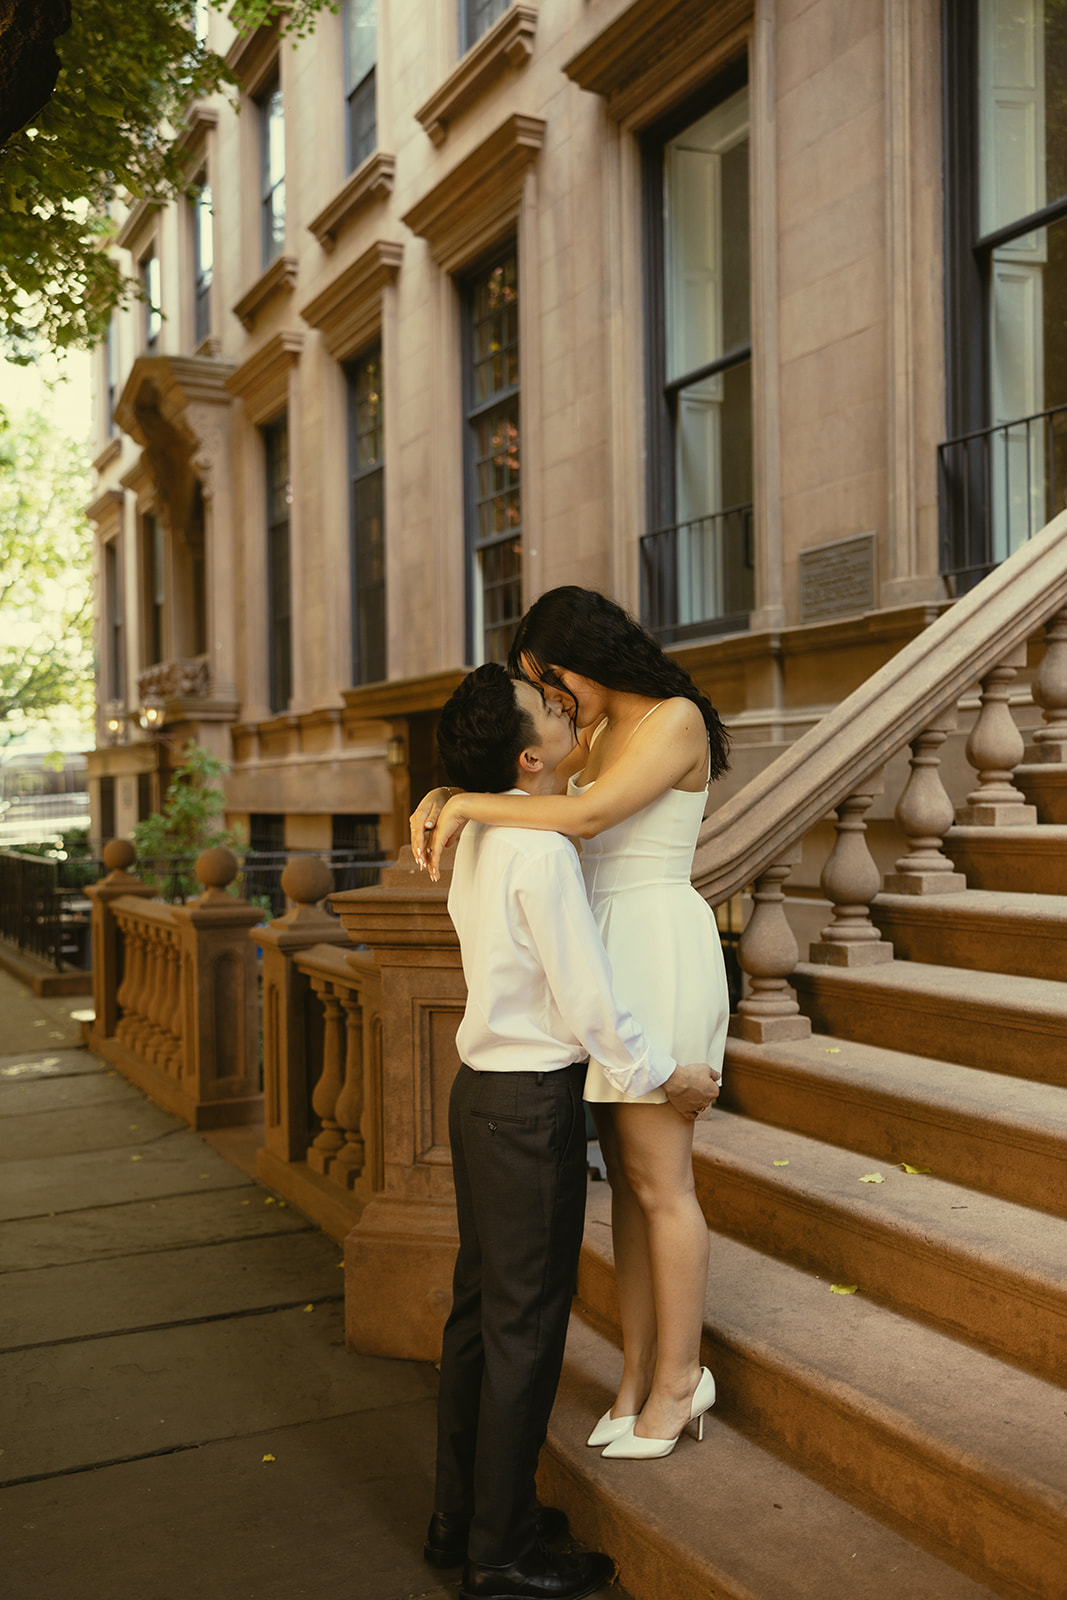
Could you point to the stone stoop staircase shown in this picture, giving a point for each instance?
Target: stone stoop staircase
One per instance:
(907, 1440)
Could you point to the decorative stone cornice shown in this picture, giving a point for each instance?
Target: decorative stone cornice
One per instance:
(167, 386)
(262, 382)
(655, 51)
(349, 312)
(371, 182)
(279, 278)
(401, 697)
(106, 508)
(135, 222)
(252, 57)
(175, 680)
(199, 123)
(508, 44)
(107, 454)
(476, 200)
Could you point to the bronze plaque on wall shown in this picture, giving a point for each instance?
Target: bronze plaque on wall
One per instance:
(837, 580)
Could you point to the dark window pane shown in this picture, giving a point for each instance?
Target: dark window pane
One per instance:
(279, 598)
(362, 121)
(369, 662)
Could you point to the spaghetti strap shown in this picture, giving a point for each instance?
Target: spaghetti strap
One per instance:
(647, 715)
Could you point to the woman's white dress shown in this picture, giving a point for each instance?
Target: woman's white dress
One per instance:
(660, 934)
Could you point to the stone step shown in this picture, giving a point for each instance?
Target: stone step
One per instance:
(726, 1518)
(982, 1268)
(985, 930)
(1001, 1023)
(902, 1419)
(1006, 1136)
(1026, 860)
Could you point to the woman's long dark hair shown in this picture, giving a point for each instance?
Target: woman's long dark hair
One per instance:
(581, 630)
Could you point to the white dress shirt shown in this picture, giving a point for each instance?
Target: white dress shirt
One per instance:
(539, 991)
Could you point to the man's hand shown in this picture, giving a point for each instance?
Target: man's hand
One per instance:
(423, 820)
(692, 1089)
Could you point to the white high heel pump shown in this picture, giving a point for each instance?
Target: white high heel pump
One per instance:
(629, 1446)
(609, 1428)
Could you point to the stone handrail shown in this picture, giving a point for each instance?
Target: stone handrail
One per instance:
(770, 816)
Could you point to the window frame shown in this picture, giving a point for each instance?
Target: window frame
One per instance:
(469, 30)
(356, 152)
(271, 247)
(278, 551)
(115, 619)
(149, 269)
(203, 276)
(473, 412)
(369, 664)
(154, 572)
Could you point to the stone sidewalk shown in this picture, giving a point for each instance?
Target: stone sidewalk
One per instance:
(178, 1415)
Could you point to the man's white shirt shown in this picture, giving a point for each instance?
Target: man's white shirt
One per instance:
(539, 993)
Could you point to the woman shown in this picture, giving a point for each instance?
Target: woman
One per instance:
(648, 746)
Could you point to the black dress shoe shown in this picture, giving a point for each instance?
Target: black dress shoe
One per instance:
(541, 1575)
(446, 1537)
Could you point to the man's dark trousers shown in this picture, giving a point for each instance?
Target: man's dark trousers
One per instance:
(519, 1161)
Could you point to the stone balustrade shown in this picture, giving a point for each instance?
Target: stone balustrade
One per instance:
(175, 990)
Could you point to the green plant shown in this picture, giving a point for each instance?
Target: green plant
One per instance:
(169, 841)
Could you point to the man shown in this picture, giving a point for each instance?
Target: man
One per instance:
(539, 1003)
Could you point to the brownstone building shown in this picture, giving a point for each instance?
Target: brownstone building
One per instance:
(678, 299)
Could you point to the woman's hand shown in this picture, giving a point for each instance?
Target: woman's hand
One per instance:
(447, 829)
(692, 1089)
(423, 820)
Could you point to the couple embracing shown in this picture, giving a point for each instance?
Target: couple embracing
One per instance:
(616, 962)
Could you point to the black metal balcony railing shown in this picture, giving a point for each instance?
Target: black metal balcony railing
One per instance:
(697, 577)
(997, 487)
(43, 910)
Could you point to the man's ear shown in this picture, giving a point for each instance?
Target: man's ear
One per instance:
(530, 760)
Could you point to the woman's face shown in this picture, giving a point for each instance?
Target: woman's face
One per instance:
(581, 698)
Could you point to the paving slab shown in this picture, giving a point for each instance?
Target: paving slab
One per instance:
(35, 1022)
(51, 1304)
(138, 1394)
(210, 1216)
(341, 1512)
(25, 1066)
(174, 1165)
(23, 1097)
(65, 1132)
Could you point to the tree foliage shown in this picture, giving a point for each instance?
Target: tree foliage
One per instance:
(191, 821)
(45, 573)
(128, 75)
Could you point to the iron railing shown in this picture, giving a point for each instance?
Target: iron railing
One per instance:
(997, 487)
(43, 911)
(697, 577)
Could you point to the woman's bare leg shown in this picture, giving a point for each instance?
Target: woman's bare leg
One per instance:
(654, 1147)
(633, 1273)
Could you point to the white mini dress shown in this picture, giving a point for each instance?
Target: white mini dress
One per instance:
(660, 934)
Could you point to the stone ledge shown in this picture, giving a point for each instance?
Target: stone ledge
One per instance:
(509, 44)
(371, 182)
(469, 208)
(348, 312)
(279, 278)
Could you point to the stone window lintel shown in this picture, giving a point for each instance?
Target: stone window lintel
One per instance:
(279, 278)
(371, 181)
(508, 44)
(348, 313)
(466, 212)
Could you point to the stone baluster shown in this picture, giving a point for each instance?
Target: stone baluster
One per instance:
(119, 854)
(154, 1046)
(170, 1016)
(1050, 693)
(925, 813)
(850, 880)
(141, 1029)
(350, 1160)
(130, 987)
(994, 750)
(768, 955)
(330, 1140)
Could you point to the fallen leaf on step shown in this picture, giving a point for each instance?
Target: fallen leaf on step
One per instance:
(843, 1288)
(779, 1163)
(833, 1050)
(904, 1167)
(872, 1177)
(135, 1158)
(309, 1308)
(268, 1458)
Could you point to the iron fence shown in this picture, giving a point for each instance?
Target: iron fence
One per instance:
(996, 488)
(43, 909)
(697, 577)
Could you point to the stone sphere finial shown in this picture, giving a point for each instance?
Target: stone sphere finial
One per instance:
(217, 867)
(307, 880)
(118, 855)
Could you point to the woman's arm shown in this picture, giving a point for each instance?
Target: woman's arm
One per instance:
(424, 818)
(662, 751)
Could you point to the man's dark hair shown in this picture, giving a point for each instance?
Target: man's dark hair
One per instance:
(483, 731)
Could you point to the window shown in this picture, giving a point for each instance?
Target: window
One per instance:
(279, 579)
(114, 648)
(354, 842)
(367, 457)
(272, 171)
(107, 810)
(153, 558)
(151, 284)
(111, 361)
(361, 54)
(493, 488)
(697, 566)
(203, 259)
(477, 17)
(1004, 473)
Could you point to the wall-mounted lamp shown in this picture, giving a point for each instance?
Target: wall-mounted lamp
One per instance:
(152, 715)
(395, 752)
